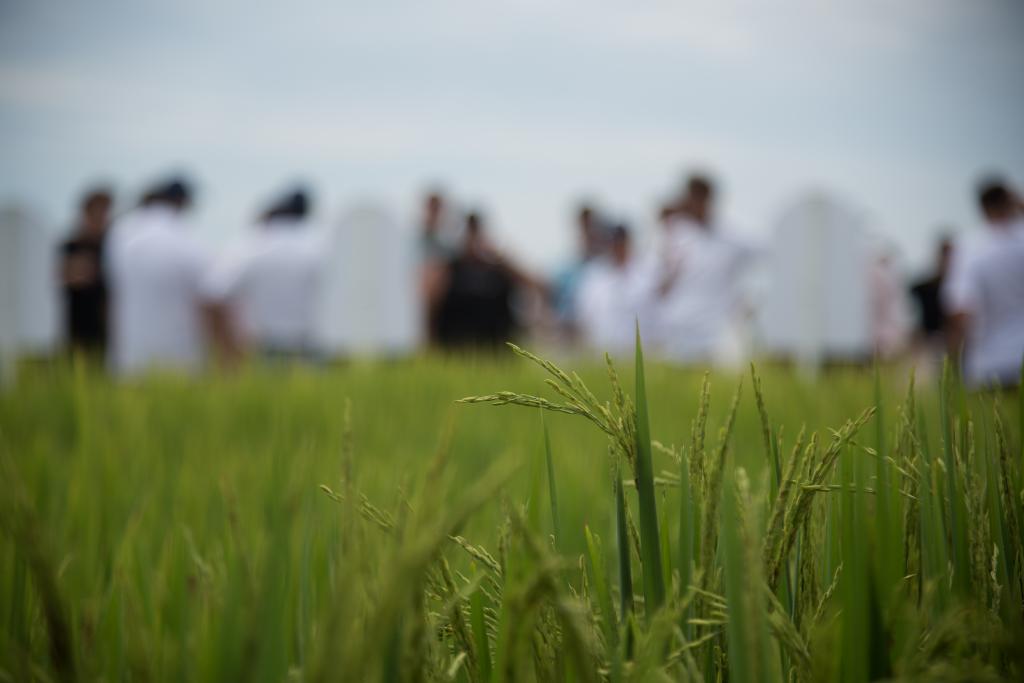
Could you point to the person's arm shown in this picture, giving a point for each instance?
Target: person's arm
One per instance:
(519, 275)
(219, 280)
(956, 334)
(667, 277)
(227, 347)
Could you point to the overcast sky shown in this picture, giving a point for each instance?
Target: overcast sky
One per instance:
(520, 107)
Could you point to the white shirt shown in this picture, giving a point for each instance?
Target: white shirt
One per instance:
(155, 267)
(986, 281)
(272, 281)
(607, 303)
(693, 318)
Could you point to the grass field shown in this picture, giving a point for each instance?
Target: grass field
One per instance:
(358, 523)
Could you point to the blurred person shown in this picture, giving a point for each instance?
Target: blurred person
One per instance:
(155, 267)
(476, 305)
(693, 281)
(890, 319)
(930, 332)
(264, 294)
(697, 202)
(607, 298)
(432, 227)
(984, 292)
(83, 277)
(591, 245)
(434, 256)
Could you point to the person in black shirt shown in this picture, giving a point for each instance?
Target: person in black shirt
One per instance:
(932, 330)
(82, 275)
(476, 306)
(927, 295)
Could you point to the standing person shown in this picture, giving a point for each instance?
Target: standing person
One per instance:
(694, 282)
(83, 277)
(476, 306)
(155, 268)
(984, 293)
(930, 333)
(265, 294)
(591, 245)
(434, 257)
(607, 301)
(927, 295)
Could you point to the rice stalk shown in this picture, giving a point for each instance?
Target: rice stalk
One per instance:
(711, 497)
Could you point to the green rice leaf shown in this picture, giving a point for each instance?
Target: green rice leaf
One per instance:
(650, 543)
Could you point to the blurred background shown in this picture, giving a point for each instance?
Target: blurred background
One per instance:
(521, 107)
(521, 111)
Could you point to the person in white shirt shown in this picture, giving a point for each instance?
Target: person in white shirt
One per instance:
(694, 281)
(607, 297)
(984, 293)
(155, 267)
(265, 293)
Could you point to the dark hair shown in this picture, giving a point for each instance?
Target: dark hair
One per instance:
(175, 191)
(96, 195)
(994, 196)
(178, 192)
(699, 184)
(293, 205)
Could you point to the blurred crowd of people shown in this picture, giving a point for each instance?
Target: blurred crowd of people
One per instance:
(142, 291)
(972, 305)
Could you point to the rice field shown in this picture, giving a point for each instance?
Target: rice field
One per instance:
(363, 523)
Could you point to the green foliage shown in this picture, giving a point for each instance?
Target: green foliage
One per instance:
(264, 527)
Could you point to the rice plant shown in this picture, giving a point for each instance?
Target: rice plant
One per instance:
(266, 527)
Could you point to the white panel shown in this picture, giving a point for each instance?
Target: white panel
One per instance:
(369, 303)
(29, 303)
(817, 295)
